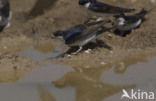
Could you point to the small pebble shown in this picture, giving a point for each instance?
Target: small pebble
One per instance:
(88, 51)
(102, 63)
(110, 35)
(68, 55)
(111, 52)
(5, 47)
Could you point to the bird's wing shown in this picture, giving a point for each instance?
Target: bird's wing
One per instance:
(106, 8)
(85, 33)
(73, 32)
(137, 16)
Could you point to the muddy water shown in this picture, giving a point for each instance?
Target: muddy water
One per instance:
(63, 83)
(137, 72)
(41, 51)
(36, 86)
(142, 73)
(36, 55)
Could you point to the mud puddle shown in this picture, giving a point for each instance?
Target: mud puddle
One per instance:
(142, 73)
(41, 51)
(45, 74)
(101, 84)
(37, 86)
(53, 82)
(31, 92)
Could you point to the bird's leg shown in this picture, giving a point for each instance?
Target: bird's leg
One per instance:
(8, 25)
(80, 48)
(9, 19)
(96, 40)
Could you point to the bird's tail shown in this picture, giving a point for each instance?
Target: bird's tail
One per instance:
(97, 30)
(128, 10)
(103, 29)
(102, 23)
(100, 29)
(142, 13)
(123, 10)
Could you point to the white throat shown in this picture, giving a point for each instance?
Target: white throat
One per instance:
(87, 5)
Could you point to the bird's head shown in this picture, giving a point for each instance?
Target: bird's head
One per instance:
(83, 2)
(58, 33)
(119, 15)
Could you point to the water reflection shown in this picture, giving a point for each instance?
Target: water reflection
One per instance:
(45, 95)
(142, 73)
(96, 84)
(35, 92)
(88, 89)
(17, 92)
(51, 93)
(36, 86)
(38, 52)
(60, 83)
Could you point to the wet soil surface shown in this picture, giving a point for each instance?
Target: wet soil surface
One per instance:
(29, 70)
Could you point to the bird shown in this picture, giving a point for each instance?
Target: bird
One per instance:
(77, 28)
(5, 14)
(123, 23)
(81, 35)
(102, 9)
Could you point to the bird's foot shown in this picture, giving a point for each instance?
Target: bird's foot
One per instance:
(77, 51)
(8, 25)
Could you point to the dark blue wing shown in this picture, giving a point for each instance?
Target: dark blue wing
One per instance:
(106, 8)
(98, 4)
(73, 32)
(139, 15)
